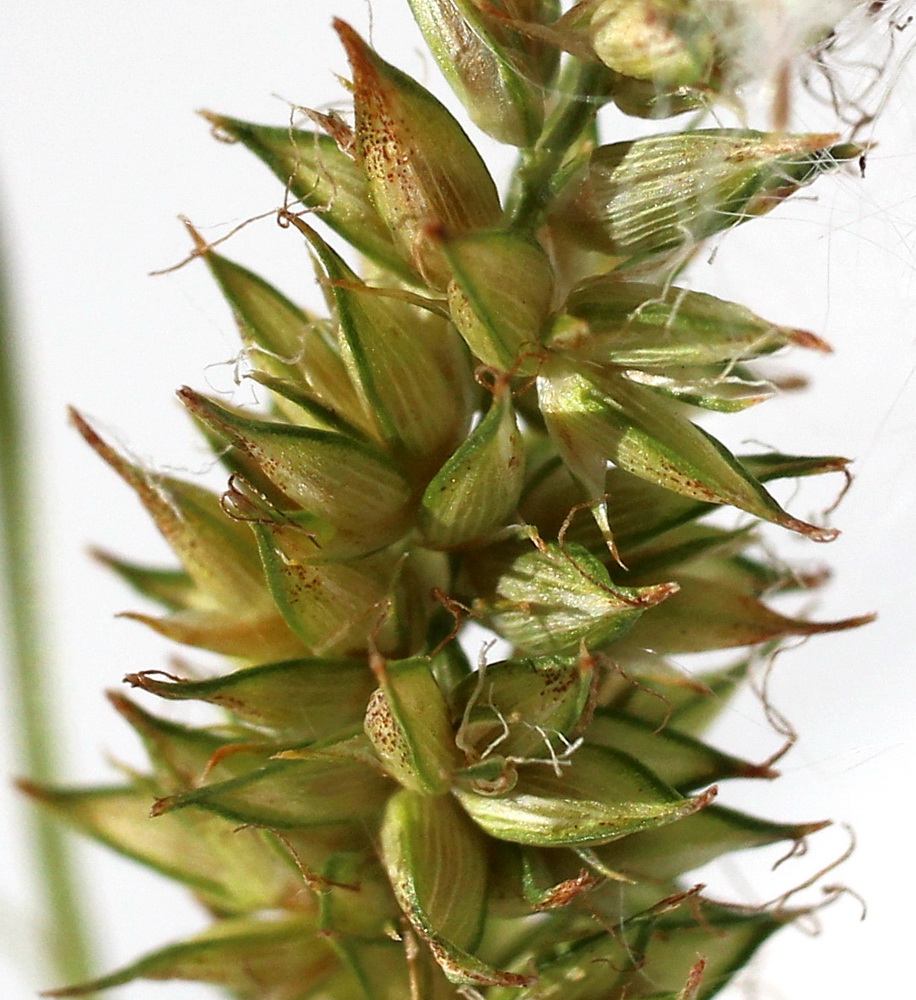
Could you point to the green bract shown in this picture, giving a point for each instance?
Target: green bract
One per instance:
(496, 423)
(636, 200)
(501, 76)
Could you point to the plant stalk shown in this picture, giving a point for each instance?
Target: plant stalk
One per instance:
(535, 178)
(66, 938)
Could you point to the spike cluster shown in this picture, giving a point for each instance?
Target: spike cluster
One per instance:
(498, 427)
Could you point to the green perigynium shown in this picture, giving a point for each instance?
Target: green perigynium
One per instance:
(494, 422)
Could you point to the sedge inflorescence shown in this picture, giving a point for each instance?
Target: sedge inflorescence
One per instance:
(494, 423)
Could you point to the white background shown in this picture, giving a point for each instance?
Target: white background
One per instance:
(100, 151)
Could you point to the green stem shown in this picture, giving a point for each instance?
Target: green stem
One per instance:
(66, 939)
(581, 85)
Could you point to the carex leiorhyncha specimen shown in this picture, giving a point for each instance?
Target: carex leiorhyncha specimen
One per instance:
(493, 422)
